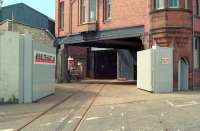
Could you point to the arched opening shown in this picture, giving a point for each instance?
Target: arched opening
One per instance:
(183, 74)
(119, 61)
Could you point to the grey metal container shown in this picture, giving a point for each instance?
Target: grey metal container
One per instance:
(21, 79)
(155, 69)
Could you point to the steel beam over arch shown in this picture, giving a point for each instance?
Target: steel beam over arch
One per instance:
(82, 39)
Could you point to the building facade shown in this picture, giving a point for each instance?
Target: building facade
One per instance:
(26, 15)
(135, 25)
(23, 19)
(38, 34)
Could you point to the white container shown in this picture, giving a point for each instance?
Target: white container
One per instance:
(22, 78)
(155, 69)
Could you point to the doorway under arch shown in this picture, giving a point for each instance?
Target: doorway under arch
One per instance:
(183, 74)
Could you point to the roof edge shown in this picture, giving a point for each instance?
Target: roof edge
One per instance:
(23, 4)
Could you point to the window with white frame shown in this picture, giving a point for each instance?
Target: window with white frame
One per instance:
(62, 15)
(159, 4)
(83, 11)
(196, 52)
(199, 7)
(173, 3)
(107, 8)
(93, 10)
(186, 4)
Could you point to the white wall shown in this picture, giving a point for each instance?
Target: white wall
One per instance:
(20, 76)
(155, 70)
(43, 74)
(9, 66)
(144, 70)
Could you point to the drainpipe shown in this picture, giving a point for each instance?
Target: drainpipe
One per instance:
(193, 22)
(193, 38)
(70, 17)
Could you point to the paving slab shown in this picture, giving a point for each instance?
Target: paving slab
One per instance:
(14, 116)
(118, 107)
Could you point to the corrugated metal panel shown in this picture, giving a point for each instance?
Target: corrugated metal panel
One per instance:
(9, 67)
(22, 78)
(43, 75)
(27, 15)
(126, 64)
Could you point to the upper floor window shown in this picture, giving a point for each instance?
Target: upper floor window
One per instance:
(83, 11)
(62, 15)
(198, 7)
(93, 10)
(186, 4)
(196, 52)
(159, 4)
(108, 6)
(173, 3)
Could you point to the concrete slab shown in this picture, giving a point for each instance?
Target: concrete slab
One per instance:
(117, 108)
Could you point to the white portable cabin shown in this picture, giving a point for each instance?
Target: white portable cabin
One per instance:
(155, 69)
(27, 68)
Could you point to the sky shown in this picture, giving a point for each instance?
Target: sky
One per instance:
(46, 7)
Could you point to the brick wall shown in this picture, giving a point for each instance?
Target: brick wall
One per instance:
(124, 14)
(38, 34)
(169, 27)
(3, 26)
(173, 28)
(77, 52)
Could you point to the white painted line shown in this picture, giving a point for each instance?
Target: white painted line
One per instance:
(114, 130)
(170, 103)
(163, 114)
(189, 103)
(46, 124)
(66, 116)
(69, 122)
(93, 118)
(122, 114)
(62, 119)
(7, 130)
(123, 128)
(77, 117)
(112, 107)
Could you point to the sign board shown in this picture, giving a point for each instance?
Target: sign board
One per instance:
(165, 61)
(44, 58)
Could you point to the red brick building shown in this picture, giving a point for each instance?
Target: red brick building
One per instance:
(134, 25)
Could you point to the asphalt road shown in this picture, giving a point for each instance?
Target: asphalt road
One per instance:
(100, 107)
